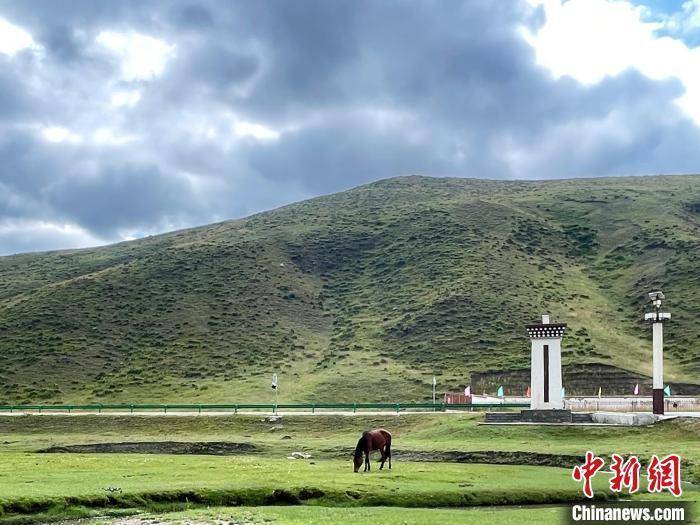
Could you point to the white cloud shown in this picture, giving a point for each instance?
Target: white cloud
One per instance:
(108, 136)
(244, 129)
(591, 39)
(142, 57)
(125, 98)
(24, 235)
(60, 134)
(14, 39)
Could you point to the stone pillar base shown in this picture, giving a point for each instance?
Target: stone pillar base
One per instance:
(546, 416)
(658, 401)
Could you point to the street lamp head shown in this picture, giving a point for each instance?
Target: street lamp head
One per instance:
(656, 297)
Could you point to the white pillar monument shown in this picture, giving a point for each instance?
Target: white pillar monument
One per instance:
(545, 367)
(657, 320)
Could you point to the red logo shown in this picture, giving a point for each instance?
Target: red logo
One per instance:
(664, 474)
(586, 472)
(625, 474)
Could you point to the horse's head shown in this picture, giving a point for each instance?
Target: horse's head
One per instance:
(356, 462)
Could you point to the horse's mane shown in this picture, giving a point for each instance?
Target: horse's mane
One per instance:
(359, 449)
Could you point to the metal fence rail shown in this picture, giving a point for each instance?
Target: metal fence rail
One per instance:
(235, 407)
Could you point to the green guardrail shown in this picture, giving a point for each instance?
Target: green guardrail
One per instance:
(274, 407)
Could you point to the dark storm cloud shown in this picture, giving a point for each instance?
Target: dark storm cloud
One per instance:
(213, 67)
(341, 151)
(263, 103)
(100, 196)
(13, 101)
(122, 194)
(191, 16)
(62, 42)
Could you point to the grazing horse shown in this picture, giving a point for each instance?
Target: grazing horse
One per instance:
(377, 439)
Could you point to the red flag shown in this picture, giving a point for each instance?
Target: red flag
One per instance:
(528, 392)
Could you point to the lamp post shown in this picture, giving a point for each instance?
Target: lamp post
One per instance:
(275, 387)
(657, 318)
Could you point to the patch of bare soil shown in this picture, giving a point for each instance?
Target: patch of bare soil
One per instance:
(134, 520)
(495, 457)
(215, 448)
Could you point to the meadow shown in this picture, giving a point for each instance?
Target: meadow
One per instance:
(434, 474)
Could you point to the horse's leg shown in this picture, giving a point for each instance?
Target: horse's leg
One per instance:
(384, 456)
(369, 468)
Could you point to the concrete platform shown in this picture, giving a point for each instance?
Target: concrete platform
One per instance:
(624, 418)
(549, 416)
(587, 419)
(637, 418)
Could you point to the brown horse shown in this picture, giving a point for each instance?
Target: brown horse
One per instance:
(377, 439)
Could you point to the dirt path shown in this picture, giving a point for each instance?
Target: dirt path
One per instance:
(495, 457)
(225, 448)
(214, 448)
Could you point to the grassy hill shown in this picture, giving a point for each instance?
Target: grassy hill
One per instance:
(363, 295)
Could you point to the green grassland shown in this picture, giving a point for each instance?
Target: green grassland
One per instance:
(252, 480)
(362, 295)
(331, 435)
(203, 488)
(362, 516)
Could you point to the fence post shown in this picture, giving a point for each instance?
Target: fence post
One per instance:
(313, 408)
(354, 408)
(200, 409)
(131, 408)
(397, 408)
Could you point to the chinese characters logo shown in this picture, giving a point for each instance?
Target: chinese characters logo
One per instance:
(661, 474)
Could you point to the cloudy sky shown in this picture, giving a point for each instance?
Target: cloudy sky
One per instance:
(123, 119)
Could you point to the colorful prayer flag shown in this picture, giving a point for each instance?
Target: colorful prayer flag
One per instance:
(636, 389)
(500, 391)
(667, 390)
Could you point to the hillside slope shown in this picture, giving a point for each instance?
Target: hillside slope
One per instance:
(362, 295)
